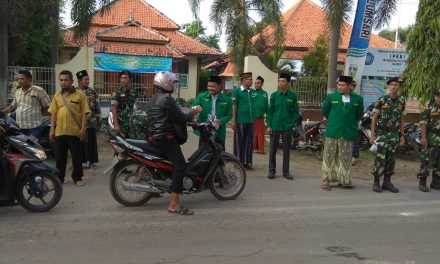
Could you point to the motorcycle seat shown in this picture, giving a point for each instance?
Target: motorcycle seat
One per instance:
(145, 146)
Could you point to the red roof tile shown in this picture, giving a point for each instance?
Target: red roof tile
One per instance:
(299, 55)
(133, 32)
(139, 10)
(305, 21)
(188, 45)
(139, 49)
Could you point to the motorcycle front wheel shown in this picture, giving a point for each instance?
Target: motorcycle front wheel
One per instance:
(233, 185)
(132, 172)
(39, 196)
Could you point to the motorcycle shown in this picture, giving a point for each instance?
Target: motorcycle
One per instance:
(27, 179)
(309, 137)
(141, 171)
(413, 137)
(364, 129)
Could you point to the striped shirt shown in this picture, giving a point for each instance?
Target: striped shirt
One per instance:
(28, 105)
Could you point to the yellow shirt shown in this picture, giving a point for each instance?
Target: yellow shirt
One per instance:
(77, 101)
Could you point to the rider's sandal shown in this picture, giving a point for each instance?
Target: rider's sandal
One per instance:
(181, 211)
(325, 186)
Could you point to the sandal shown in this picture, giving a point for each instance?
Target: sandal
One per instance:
(325, 186)
(182, 211)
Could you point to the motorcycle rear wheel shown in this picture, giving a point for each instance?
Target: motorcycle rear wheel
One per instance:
(237, 176)
(122, 173)
(50, 183)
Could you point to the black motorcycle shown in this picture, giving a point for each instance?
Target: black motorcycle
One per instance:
(309, 137)
(140, 170)
(26, 178)
(413, 137)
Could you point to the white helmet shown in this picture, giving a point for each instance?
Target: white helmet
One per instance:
(165, 80)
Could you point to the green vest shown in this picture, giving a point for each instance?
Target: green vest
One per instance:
(223, 111)
(283, 111)
(342, 118)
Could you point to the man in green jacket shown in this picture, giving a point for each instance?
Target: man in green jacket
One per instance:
(281, 118)
(261, 106)
(217, 104)
(343, 110)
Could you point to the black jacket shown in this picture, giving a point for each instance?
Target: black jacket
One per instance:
(158, 119)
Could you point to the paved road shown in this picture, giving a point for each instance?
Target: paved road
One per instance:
(273, 221)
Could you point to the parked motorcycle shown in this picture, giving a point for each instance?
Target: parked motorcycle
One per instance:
(140, 170)
(309, 137)
(413, 137)
(364, 129)
(26, 178)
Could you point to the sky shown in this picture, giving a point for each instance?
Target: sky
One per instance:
(180, 12)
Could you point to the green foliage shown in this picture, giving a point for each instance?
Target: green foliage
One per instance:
(391, 34)
(423, 65)
(211, 41)
(315, 61)
(82, 14)
(233, 17)
(194, 29)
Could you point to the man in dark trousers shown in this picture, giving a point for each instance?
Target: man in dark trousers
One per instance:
(243, 120)
(69, 109)
(281, 118)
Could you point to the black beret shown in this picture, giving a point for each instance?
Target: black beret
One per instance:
(284, 76)
(395, 79)
(245, 75)
(81, 74)
(346, 79)
(216, 79)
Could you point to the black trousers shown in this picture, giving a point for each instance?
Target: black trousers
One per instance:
(73, 144)
(174, 154)
(89, 150)
(286, 136)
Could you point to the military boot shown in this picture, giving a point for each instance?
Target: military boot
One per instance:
(422, 185)
(387, 185)
(376, 184)
(435, 183)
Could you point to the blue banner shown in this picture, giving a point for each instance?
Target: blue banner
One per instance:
(360, 39)
(140, 64)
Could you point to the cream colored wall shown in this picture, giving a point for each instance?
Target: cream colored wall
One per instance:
(193, 67)
(253, 64)
(82, 61)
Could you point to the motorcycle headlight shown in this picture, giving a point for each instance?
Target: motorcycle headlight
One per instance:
(39, 153)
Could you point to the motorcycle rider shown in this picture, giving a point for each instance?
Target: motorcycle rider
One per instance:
(388, 113)
(430, 155)
(162, 135)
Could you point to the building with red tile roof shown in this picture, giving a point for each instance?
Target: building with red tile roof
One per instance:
(136, 28)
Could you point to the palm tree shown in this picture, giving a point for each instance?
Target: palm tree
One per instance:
(337, 12)
(82, 14)
(233, 16)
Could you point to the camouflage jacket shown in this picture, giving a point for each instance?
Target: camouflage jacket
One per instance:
(139, 125)
(390, 112)
(95, 109)
(124, 100)
(430, 116)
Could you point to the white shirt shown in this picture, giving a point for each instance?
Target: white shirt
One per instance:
(214, 101)
(346, 98)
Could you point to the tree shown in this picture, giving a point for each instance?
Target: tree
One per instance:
(82, 14)
(315, 61)
(233, 16)
(336, 12)
(402, 34)
(196, 30)
(423, 64)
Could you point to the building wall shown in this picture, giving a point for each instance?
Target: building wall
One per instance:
(82, 61)
(253, 64)
(193, 76)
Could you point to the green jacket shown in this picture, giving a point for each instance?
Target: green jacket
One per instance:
(261, 103)
(223, 110)
(283, 111)
(244, 100)
(342, 118)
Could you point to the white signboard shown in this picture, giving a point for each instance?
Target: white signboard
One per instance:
(385, 62)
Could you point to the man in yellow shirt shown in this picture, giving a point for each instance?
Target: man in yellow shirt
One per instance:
(69, 109)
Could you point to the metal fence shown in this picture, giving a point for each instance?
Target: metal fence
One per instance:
(41, 76)
(311, 92)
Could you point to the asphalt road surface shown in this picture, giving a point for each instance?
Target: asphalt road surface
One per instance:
(273, 221)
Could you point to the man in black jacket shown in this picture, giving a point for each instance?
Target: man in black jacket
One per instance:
(162, 135)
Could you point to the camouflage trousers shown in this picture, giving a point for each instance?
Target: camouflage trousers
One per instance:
(336, 163)
(125, 128)
(430, 161)
(385, 160)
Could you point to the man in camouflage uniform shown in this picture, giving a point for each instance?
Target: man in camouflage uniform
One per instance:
(139, 125)
(123, 100)
(388, 115)
(90, 146)
(430, 155)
